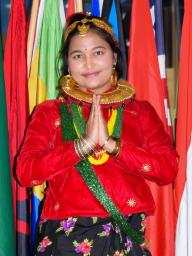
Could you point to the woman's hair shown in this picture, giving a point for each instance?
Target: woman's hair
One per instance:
(104, 33)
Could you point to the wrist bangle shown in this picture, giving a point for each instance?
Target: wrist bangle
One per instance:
(78, 150)
(106, 141)
(89, 146)
(86, 148)
(117, 148)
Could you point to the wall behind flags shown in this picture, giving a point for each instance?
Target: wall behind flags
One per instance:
(4, 17)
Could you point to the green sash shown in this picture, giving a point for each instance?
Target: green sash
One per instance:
(87, 173)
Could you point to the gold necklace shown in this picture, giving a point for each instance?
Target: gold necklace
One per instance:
(122, 92)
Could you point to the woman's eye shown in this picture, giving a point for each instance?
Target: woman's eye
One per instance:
(97, 53)
(77, 56)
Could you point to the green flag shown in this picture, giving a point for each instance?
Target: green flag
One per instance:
(43, 76)
(7, 242)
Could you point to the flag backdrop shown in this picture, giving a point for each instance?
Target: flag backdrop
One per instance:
(15, 72)
(7, 244)
(147, 77)
(70, 8)
(44, 72)
(183, 184)
(157, 21)
(96, 11)
(41, 86)
(111, 10)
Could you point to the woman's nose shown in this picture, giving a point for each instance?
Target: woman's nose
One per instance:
(88, 61)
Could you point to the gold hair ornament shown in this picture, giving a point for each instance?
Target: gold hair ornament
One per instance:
(83, 26)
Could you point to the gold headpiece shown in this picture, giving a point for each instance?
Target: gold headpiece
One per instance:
(83, 26)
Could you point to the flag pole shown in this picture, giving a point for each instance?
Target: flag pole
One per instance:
(31, 34)
(79, 5)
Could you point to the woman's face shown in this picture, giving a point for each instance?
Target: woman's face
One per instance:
(90, 62)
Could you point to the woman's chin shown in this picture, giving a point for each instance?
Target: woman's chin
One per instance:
(95, 88)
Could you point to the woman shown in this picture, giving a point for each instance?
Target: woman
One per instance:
(95, 146)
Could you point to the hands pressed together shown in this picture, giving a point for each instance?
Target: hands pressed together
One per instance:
(96, 129)
(96, 134)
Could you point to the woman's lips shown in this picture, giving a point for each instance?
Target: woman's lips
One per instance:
(90, 74)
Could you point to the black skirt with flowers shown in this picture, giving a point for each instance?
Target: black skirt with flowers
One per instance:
(88, 236)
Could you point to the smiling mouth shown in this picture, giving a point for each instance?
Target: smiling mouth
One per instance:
(91, 74)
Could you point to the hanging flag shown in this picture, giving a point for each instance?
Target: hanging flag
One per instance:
(100, 6)
(183, 187)
(112, 11)
(78, 5)
(146, 74)
(15, 72)
(70, 8)
(95, 8)
(44, 73)
(157, 20)
(31, 32)
(7, 245)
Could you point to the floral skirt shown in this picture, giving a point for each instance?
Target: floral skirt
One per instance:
(88, 236)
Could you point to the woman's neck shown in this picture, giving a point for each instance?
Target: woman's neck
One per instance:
(98, 91)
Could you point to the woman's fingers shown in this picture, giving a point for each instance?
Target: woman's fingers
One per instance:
(92, 112)
(98, 97)
(103, 131)
(92, 123)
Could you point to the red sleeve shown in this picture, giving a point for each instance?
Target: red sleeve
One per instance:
(40, 158)
(156, 159)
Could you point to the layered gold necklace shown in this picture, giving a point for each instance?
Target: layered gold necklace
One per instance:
(120, 93)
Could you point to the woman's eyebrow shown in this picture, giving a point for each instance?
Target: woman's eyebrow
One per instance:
(75, 51)
(94, 48)
(99, 46)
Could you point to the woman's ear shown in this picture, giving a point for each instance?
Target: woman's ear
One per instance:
(114, 59)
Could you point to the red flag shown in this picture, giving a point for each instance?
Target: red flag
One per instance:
(183, 187)
(15, 72)
(70, 8)
(144, 74)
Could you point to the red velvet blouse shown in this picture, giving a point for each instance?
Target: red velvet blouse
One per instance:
(146, 153)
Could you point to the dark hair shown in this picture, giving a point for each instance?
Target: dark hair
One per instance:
(101, 32)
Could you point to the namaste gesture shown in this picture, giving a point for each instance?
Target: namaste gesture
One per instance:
(96, 130)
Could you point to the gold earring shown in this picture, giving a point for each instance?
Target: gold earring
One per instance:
(67, 81)
(114, 77)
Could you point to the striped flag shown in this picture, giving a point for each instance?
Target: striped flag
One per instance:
(44, 74)
(15, 72)
(157, 20)
(183, 184)
(146, 73)
(111, 10)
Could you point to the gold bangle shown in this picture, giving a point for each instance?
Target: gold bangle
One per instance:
(82, 156)
(106, 141)
(117, 148)
(85, 149)
(90, 148)
(75, 146)
(76, 149)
